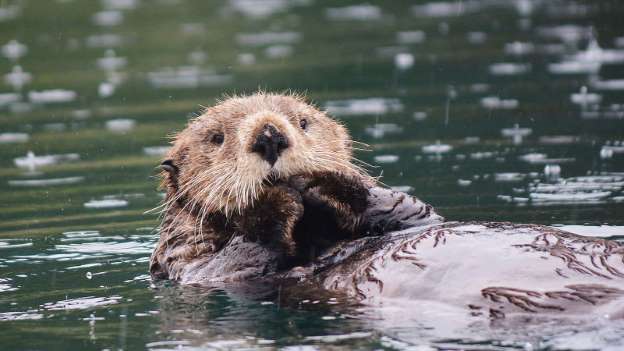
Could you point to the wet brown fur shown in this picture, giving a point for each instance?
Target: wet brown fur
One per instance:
(215, 191)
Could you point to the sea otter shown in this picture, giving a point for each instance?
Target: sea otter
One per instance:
(264, 188)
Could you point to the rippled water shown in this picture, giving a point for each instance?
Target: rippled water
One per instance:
(489, 110)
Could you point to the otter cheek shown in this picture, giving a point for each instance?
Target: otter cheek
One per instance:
(293, 162)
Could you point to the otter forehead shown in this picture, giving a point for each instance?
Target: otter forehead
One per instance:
(237, 108)
(230, 113)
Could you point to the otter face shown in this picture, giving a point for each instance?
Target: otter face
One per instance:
(226, 157)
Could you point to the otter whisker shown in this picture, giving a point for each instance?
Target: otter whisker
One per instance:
(364, 163)
(329, 158)
(360, 143)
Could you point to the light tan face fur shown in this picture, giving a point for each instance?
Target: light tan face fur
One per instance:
(229, 176)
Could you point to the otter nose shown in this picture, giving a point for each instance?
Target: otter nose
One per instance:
(269, 144)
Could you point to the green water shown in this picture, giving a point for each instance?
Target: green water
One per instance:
(74, 236)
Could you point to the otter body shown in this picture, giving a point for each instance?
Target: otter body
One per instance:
(486, 268)
(263, 189)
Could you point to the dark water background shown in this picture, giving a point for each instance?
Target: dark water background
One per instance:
(92, 89)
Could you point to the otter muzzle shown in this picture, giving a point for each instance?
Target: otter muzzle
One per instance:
(269, 144)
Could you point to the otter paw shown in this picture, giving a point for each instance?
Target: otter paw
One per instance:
(345, 197)
(343, 190)
(271, 220)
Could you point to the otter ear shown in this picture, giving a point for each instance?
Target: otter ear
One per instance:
(169, 167)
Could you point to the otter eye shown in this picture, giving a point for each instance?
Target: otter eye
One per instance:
(303, 123)
(217, 139)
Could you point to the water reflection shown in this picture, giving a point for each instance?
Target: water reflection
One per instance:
(491, 110)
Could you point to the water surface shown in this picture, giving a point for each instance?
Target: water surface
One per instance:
(489, 110)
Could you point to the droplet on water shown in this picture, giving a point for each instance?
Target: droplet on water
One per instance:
(552, 171)
(403, 61)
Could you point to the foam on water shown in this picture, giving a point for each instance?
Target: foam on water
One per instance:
(482, 155)
(18, 78)
(120, 4)
(509, 68)
(558, 139)
(552, 171)
(45, 182)
(268, 38)
(338, 337)
(258, 9)
(411, 37)
(611, 150)
(32, 161)
(585, 98)
(81, 303)
(496, 103)
(108, 18)
(437, 148)
(518, 48)
(403, 60)
(9, 12)
(6, 288)
(509, 177)
(246, 58)
(106, 203)
(366, 106)
(444, 8)
(120, 125)
(574, 67)
(20, 316)
(569, 33)
(126, 247)
(478, 38)
(278, 51)
(7, 138)
(593, 189)
(106, 89)
(419, 116)
(380, 130)
(539, 158)
(111, 62)
(105, 40)
(11, 245)
(13, 50)
(609, 84)
(569, 197)
(177, 344)
(362, 12)
(516, 133)
(52, 96)
(386, 158)
(156, 150)
(8, 98)
(464, 182)
(185, 77)
(594, 53)
(86, 265)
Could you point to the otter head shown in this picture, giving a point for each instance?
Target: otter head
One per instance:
(226, 157)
